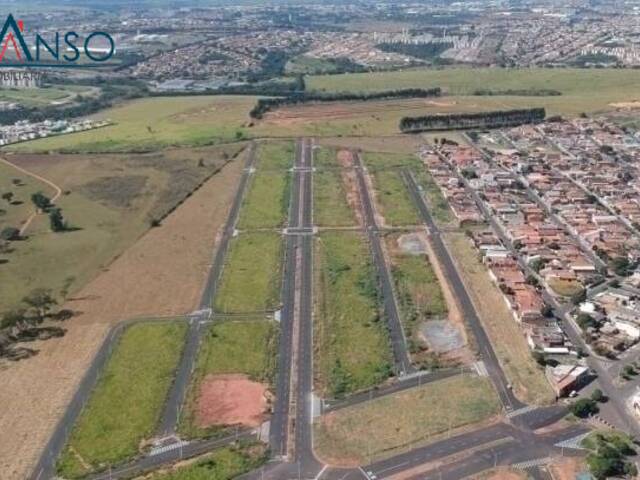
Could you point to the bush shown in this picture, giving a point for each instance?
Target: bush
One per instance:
(584, 408)
(10, 234)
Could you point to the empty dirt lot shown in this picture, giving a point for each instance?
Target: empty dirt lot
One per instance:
(162, 274)
(231, 400)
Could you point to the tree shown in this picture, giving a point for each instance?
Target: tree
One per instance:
(584, 408)
(41, 201)
(584, 320)
(579, 297)
(620, 266)
(7, 196)
(10, 234)
(41, 301)
(12, 318)
(597, 396)
(56, 220)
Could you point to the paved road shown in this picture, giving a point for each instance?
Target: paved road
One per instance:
(278, 433)
(398, 341)
(45, 468)
(487, 354)
(175, 399)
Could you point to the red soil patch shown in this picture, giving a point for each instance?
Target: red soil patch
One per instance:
(231, 400)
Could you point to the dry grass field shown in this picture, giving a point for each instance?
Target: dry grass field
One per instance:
(134, 285)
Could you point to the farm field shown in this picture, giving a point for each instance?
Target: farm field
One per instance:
(251, 277)
(361, 433)
(154, 123)
(527, 378)
(223, 464)
(127, 402)
(576, 85)
(244, 348)
(352, 351)
(109, 201)
(331, 208)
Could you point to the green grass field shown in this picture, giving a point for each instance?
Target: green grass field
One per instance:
(329, 195)
(275, 156)
(38, 97)
(242, 346)
(251, 277)
(392, 196)
(126, 405)
(398, 422)
(154, 123)
(578, 86)
(110, 200)
(223, 464)
(267, 201)
(352, 351)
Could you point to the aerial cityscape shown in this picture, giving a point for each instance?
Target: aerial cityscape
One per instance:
(320, 240)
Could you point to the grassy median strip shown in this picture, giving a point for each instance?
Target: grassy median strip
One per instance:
(330, 200)
(399, 422)
(243, 346)
(275, 156)
(251, 277)
(506, 336)
(352, 350)
(126, 405)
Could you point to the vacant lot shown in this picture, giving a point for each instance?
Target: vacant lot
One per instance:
(156, 123)
(275, 156)
(566, 288)
(223, 464)
(506, 337)
(438, 206)
(127, 402)
(267, 201)
(251, 277)
(242, 353)
(331, 208)
(392, 196)
(419, 295)
(109, 200)
(134, 285)
(577, 85)
(399, 422)
(352, 349)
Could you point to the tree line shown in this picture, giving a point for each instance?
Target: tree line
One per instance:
(458, 121)
(264, 105)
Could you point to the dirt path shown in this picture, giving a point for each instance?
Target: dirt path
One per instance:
(55, 187)
(161, 275)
